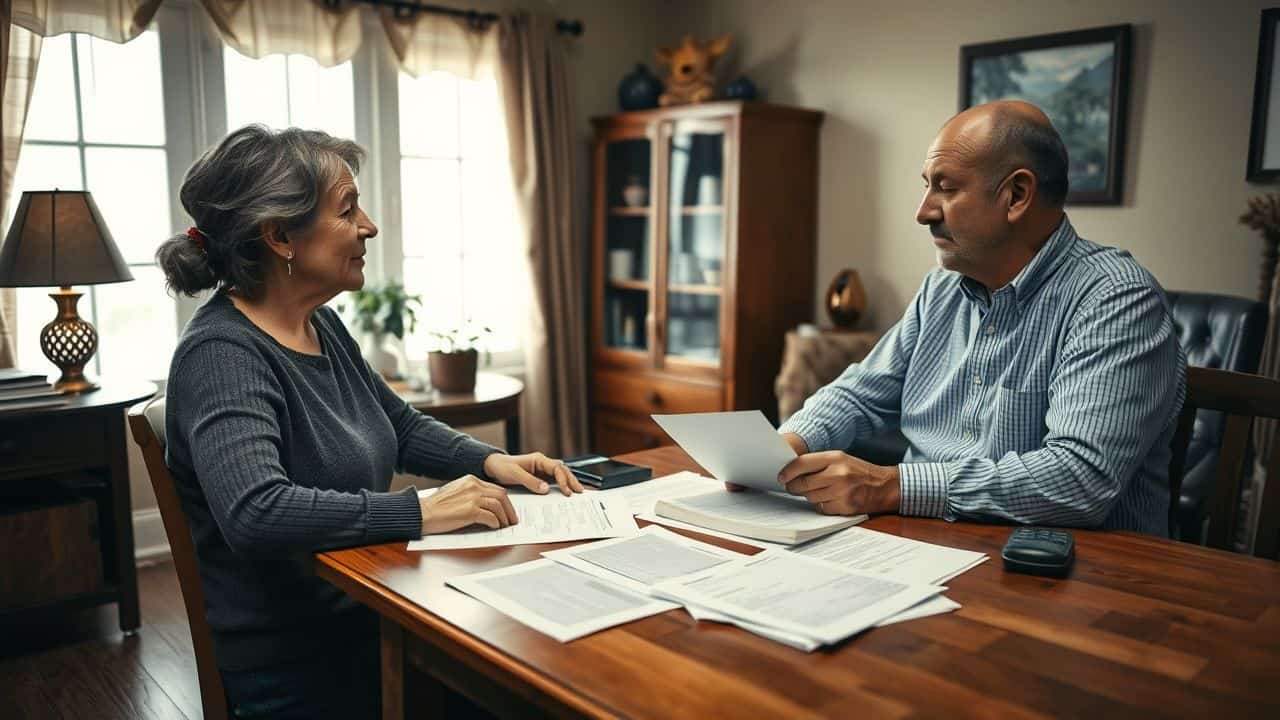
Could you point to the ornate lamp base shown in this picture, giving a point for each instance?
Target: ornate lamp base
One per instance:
(69, 341)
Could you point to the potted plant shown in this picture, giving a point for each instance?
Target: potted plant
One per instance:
(382, 311)
(453, 364)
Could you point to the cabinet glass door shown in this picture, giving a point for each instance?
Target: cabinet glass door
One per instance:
(695, 243)
(628, 247)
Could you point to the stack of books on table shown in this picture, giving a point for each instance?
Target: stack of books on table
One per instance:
(23, 390)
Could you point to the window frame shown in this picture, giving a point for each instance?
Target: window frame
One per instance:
(194, 94)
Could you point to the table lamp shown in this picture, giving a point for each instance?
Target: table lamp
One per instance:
(58, 238)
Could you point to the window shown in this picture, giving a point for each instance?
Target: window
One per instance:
(97, 121)
(281, 91)
(458, 223)
(126, 121)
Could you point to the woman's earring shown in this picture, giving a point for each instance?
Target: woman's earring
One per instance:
(289, 263)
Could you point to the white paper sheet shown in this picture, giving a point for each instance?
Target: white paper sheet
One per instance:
(641, 496)
(639, 561)
(898, 558)
(738, 447)
(761, 510)
(668, 522)
(935, 605)
(803, 596)
(543, 519)
(557, 600)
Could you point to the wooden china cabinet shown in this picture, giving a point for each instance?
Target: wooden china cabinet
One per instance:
(703, 250)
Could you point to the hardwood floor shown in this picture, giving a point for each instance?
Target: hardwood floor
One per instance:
(83, 667)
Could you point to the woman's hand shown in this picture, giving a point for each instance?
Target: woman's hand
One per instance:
(531, 471)
(466, 501)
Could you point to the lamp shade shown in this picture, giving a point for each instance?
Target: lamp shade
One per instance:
(58, 238)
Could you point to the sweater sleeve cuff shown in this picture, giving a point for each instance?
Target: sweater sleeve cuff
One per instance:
(814, 436)
(923, 489)
(470, 456)
(393, 516)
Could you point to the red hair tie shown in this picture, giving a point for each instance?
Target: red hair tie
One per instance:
(198, 238)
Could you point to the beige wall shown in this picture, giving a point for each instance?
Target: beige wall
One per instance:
(885, 72)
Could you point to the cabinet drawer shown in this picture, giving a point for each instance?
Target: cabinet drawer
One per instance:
(615, 433)
(49, 551)
(60, 440)
(644, 394)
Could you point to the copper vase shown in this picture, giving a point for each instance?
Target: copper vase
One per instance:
(846, 300)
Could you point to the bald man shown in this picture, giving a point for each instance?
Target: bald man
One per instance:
(1036, 375)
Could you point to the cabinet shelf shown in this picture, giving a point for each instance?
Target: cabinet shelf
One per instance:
(641, 285)
(695, 289)
(628, 211)
(701, 209)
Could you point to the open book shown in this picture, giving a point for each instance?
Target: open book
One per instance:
(774, 517)
(743, 448)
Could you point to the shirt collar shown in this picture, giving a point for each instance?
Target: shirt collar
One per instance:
(1033, 274)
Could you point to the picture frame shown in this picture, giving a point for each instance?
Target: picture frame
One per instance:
(1081, 80)
(1264, 134)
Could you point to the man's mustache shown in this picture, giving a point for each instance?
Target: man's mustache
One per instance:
(939, 230)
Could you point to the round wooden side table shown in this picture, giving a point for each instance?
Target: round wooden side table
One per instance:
(496, 398)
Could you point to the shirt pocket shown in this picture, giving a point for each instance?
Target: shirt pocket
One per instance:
(1019, 424)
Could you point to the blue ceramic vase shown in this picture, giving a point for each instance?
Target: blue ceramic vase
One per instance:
(741, 89)
(639, 90)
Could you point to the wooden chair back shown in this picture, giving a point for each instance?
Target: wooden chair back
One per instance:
(1242, 397)
(146, 422)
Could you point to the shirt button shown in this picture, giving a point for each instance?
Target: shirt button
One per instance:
(991, 329)
(977, 380)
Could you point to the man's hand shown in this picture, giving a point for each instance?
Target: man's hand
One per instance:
(532, 471)
(797, 444)
(840, 484)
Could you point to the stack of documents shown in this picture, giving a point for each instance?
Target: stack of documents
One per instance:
(744, 449)
(803, 601)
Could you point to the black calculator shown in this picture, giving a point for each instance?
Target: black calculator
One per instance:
(1039, 551)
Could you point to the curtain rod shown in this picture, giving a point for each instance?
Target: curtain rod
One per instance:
(475, 18)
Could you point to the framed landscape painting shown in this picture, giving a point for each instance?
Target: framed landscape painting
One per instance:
(1081, 80)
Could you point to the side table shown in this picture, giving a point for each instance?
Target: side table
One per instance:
(496, 398)
(810, 361)
(86, 438)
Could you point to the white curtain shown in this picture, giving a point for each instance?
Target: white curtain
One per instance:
(115, 20)
(426, 42)
(257, 28)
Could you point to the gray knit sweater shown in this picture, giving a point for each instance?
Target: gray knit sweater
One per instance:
(277, 454)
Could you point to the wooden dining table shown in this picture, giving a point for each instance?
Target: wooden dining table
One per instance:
(1144, 626)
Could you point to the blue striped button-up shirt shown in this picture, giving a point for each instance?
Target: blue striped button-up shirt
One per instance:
(1052, 400)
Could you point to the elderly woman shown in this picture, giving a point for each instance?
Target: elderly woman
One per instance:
(283, 441)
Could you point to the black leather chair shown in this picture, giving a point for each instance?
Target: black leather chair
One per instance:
(1219, 332)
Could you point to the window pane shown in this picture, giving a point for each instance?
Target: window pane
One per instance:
(44, 167)
(52, 114)
(137, 326)
(491, 257)
(130, 188)
(490, 299)
(121, 96)
(429, 115)
(321, 98)
(439, 281)
(483, 127)
(430, 209)
(257, 91)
